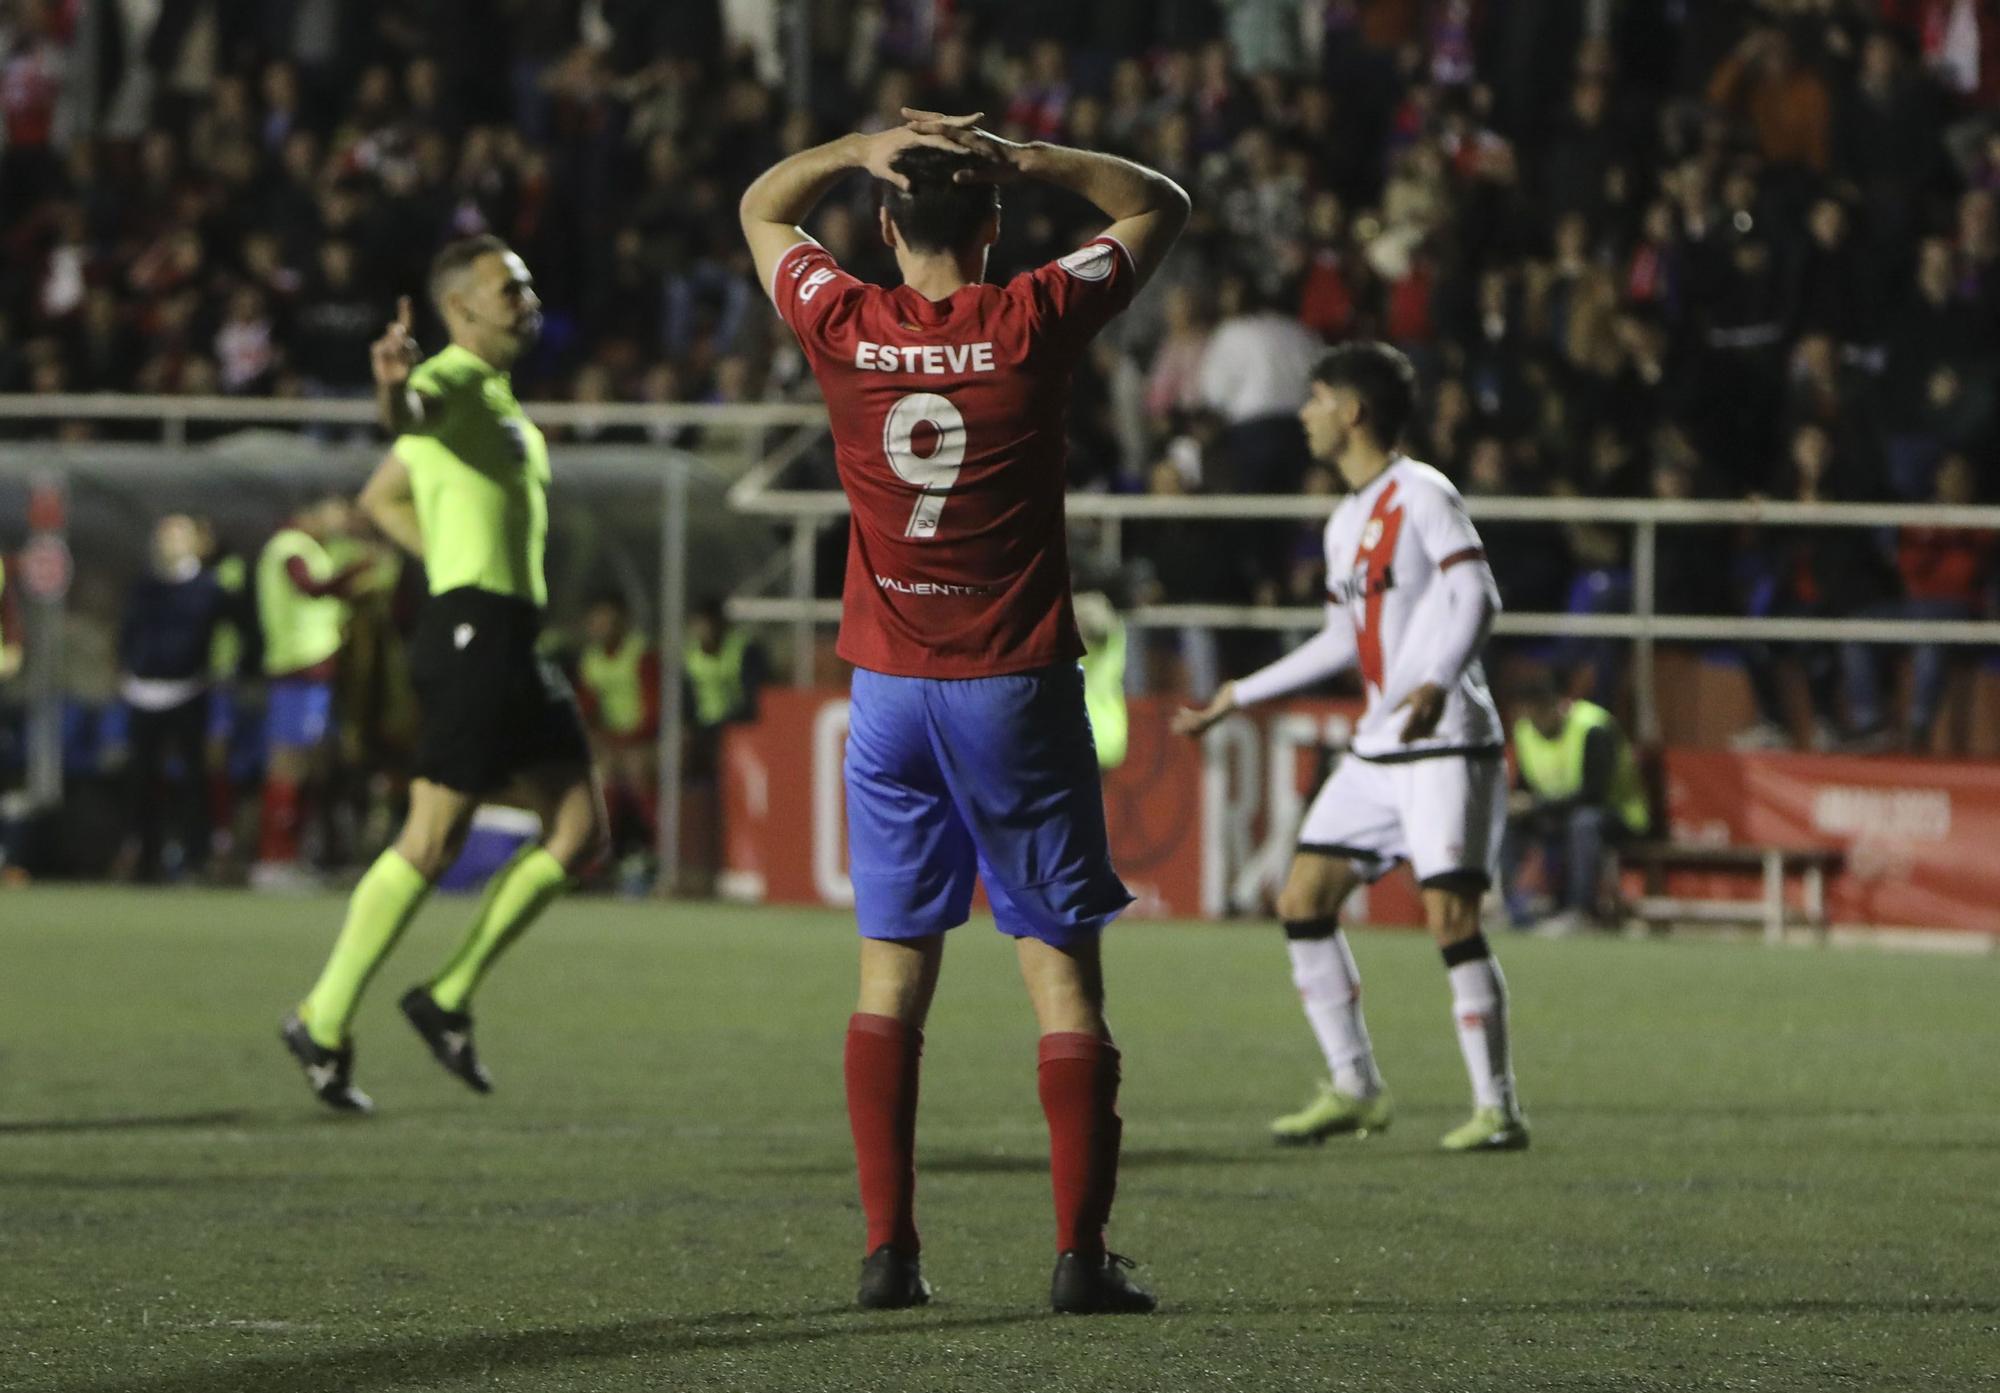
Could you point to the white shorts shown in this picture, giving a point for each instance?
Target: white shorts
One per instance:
(1444, 815)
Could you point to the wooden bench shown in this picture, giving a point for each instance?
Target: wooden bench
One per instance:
(1773, 863)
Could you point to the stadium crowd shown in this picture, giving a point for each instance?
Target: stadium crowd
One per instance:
(1671, 249)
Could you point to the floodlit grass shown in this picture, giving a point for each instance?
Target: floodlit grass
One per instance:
(1752, 1169)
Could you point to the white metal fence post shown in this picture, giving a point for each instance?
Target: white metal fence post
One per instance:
(1645, 557)
(47, 604)
(672, 629)
(804, 530)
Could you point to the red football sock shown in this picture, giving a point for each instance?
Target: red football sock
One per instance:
(278, 838)
(882, 1057)
(1079, 1086)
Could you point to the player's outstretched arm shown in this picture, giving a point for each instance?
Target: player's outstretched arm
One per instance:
(1327, 652)
(780, 198)
(1146, 208)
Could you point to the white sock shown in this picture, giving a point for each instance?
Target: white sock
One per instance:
(1479, 1006)
(1330, 989)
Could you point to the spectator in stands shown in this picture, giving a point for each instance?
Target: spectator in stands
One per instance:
(1887, 137)
(1782, 97)
(1823, 390)
(1530, 560)
(1537, 200)
(333, 325)
(1811, 573)
(1173, 383)
(1946, 573)
(1579, 788)
(171, 616)
(1254, 375)
(1686, 576)
(33, 58)
(1938, 338)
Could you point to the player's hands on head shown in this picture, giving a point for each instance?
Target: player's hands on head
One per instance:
(395, 353)
(1426, 707)
(882, 148)
(1191, 722)
(999, 159)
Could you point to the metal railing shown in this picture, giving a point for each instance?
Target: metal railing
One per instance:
(173, 415)
(806, 511)
(772, 437)
(242, 450)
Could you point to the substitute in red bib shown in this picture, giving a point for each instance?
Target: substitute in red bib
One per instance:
(969, 753)
(1409, 601)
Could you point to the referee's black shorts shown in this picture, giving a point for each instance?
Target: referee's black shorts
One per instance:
(491, 705)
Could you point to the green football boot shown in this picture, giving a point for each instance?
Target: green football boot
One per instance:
(1489, 1129)
(1331, 1114)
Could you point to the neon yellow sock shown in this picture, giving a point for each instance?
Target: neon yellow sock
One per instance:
(520, 891)
(381, 907)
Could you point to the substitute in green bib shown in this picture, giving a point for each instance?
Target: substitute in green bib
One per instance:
(1579, 787)
(1104, 676)
(465, 489)
(618, 681)
(302, 618)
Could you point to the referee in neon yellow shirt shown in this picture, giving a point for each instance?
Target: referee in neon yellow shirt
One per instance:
(465, 488)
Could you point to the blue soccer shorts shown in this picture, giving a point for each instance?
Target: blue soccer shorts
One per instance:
(989, 778)
(297, 713)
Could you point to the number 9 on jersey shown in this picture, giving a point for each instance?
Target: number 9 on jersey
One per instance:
(934, 471)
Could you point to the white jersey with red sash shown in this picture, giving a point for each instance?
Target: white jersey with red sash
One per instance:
(1385, 546)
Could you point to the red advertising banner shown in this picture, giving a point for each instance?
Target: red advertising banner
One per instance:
(1921, 836)
(1198, 830)
(1205, 830)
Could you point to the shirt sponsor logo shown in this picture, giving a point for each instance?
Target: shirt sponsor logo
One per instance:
(927, 587)
(935, 359)
(461, 636)
(1091, 263)
(1343, 590)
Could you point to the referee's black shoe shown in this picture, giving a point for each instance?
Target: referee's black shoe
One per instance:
(891, 1280)
(329, 1073)
(449, 1034)
(1096, 1285)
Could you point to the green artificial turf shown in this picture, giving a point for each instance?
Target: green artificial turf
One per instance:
(1752, 1169)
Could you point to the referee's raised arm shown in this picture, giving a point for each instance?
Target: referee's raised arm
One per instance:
(399, 405)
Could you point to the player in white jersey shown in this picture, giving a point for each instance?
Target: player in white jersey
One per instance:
(1409, 601)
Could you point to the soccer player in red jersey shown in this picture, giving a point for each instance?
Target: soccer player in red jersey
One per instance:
(969, 754)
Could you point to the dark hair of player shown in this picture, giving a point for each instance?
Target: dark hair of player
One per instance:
(610, 599)
(457, 257)
(1382, 377)
(937, 215)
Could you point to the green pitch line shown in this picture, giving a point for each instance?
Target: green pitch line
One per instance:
(1752, 1169)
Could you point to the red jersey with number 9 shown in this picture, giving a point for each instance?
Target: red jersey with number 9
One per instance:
(949, 428)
